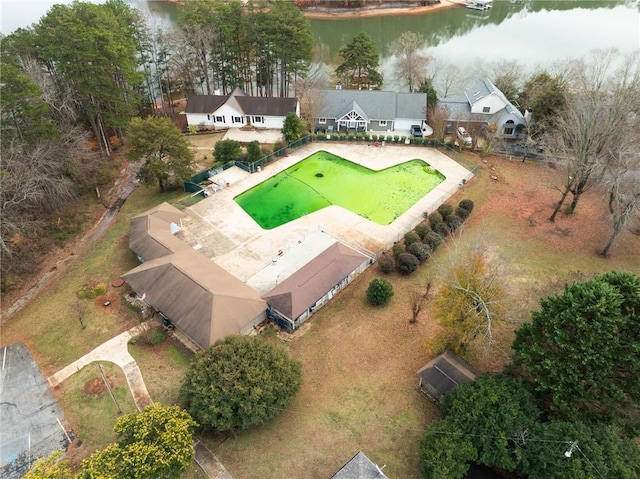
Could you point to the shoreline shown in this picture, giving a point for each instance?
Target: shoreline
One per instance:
(338, 14)
(381, 12)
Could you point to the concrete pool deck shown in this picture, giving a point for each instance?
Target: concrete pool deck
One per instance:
(222, 231)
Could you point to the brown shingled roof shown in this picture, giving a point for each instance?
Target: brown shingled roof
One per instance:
(302, 289)
(270, 106)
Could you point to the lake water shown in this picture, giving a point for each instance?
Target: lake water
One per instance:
(533, 32)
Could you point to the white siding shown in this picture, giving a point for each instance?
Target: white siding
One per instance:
(197, 119)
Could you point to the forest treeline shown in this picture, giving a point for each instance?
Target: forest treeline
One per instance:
(71, 83)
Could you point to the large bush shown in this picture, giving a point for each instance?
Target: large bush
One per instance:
(422, 230)
(434, 219)
(467, 205)
(442, 229)
(462, 213)
(398, 249)
(240, 382)
(386, 263)
(226, 150)
(411, 237)
(433, 240)
(446, 210)
(407, 263)
(253, 152)
(419, 250)
(379, 292)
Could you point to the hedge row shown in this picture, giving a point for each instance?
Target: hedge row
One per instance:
(423, 240)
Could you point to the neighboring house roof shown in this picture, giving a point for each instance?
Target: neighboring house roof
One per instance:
(373, 104)
(150, 234)
(359, 467)
(250, 105)
(460, 108)
(203, 300)
(205, 103)
(305, 287)
(443, 373)
(267, 106)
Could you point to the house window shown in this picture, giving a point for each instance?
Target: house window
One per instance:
(486, 109)
(236, 119)
(383, 122)
(322, 121)
(508, 131)
(209, 117)
(219, 119)
(258, 119)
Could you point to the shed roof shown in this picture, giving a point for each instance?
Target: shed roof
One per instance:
(359, 467)
(375, 104)
(443, 373)
(302, 289)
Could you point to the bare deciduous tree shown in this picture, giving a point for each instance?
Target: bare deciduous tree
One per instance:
(417, 299)
(600, 105)
(410, 66)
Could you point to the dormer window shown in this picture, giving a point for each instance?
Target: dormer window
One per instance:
(486, 109)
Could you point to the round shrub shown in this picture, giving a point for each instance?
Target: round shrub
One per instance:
(454, 222)
(411, 237)
(442, 229)
(433, 240)
(434, 219)
(419, 250)
(386, 263)
(422, 230)
(239, 382)
(467, 205)
(446, 210)
(398, 249)
(407, 263)
(379, 292)
(462, 213)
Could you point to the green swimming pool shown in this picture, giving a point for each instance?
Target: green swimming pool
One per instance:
(324, 179)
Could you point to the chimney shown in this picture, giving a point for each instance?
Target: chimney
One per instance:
(339, 86)
(216, 92)
(527, 115)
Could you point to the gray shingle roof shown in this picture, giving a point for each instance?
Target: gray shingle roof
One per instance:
(376, 105)
(443, 373)
(205, 103)
(270, 106)
(359, 467)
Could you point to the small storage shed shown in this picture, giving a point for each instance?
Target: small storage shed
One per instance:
(359, 467)
(443, 373)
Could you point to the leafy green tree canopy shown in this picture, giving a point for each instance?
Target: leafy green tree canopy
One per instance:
(240, 382)
(495, 413)
(545, 96)
(168, 159)
(226, 150)
(51, 467)
(292, 128)
(445, 452)
(155, 443)
(582, 349)
(360, 66)
(253, 152)
(600, 452)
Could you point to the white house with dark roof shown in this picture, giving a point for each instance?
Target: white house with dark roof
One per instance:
(369, 110)
(484, 103)
(238, 109)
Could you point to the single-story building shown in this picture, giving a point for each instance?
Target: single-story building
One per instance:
(202, 300)
(360, 467)
(443, 373)
(237, 110)
(483, 103)
(369, 111)
(294, 300)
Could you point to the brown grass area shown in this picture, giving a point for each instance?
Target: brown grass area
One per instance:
(359, 362)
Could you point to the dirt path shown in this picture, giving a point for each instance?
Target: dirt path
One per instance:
(122, 188)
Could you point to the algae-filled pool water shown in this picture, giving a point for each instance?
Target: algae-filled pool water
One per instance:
(324, 179)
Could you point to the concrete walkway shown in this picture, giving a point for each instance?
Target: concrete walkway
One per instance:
(115, 350)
